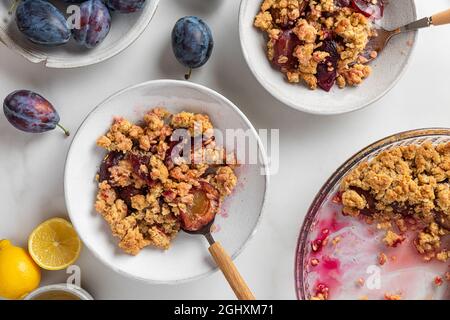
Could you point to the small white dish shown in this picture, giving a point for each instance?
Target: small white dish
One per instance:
(125, 29)
(61, 291)
(188, 257)
(387, 68)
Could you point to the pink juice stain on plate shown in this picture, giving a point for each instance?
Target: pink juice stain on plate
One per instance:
(325, 267)
(342, 261)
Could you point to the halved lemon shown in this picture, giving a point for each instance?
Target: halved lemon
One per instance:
(54, 244)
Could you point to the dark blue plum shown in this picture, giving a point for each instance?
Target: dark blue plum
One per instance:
(192, 42)
(30, 112)
(95, 23)
(125, 6)
(42, 23)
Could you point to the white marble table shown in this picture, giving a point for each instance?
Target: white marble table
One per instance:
(31, 166)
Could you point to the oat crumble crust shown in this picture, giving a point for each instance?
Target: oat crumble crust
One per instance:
(389, 296)
(312, 21)
(404, 188)
(146, 189)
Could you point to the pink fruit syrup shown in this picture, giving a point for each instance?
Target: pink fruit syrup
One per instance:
(345, 258)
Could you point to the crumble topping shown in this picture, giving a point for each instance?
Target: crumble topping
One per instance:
(315, 262)
(382, 258)
(393, 239)
(407, 187)
(360, 282)
(388, 296)
(144, 186)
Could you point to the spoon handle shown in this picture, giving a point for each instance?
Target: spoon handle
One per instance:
(435, 20)
(231, 273)
(441, 18)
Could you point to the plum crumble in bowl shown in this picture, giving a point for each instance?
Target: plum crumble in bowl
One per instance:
(147, 188)
(293, 46)
(320, 42)
(379, 228)
(144, 191)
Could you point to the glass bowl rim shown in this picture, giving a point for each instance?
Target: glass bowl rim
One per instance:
(331, 182)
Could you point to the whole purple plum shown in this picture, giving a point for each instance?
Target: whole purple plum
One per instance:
(30, 112)
(95, 23)
(192, 42)
(125, 6)
(41, 22)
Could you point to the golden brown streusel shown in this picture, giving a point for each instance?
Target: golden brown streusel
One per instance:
(392, 239)
(408, 186)
(360, 282)
(388, 296)
(382, 258)
(144, 189)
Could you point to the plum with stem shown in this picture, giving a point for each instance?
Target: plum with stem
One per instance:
(192, 42)
(30, 112)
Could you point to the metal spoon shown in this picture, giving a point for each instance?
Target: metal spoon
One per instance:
(224, 262)
(379, 42)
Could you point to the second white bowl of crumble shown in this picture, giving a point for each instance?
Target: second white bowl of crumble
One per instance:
(312, 55)
(130, 183)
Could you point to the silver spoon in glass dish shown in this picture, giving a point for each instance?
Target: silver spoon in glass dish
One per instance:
(198, 219)
(383, 36)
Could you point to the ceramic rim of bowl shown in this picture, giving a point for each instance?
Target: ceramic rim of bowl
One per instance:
(65, 287)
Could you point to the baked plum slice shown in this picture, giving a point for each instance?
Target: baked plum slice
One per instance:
(342, 3)
(203, 210)
(112, 159)
(403, 209)
(442, 219)
(370, 209)
(283, 49)
(126, 193)
(369, 8)
(138, 160)
(326, 70)
(283, 21)
(175, 150)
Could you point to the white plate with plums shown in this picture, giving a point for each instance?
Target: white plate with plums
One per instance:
(72, 33)
(314, 56)
(135, 226)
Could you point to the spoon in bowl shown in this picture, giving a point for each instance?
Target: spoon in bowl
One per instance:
(198, 219)
(379, 42)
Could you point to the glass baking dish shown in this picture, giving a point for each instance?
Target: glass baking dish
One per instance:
(348, 268)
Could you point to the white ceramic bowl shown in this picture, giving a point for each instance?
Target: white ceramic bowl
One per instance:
(387, 68)
(188, 257)
(52, 292)
(125, 29)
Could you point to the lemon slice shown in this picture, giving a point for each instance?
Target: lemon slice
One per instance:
(54, 244)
